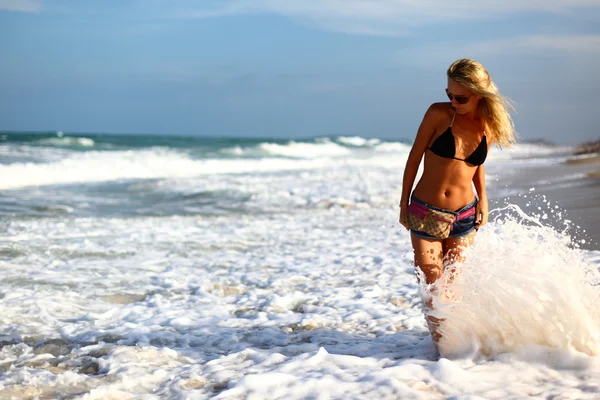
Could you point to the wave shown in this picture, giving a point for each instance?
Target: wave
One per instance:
(33, 166)
(67, 141)
(320, 148)
(528, 150)
(357, 141)
(95, 166)
(522, 284)
(235, 151)
(323, 148)
(390, 147)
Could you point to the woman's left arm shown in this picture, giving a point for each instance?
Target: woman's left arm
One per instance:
(481, 217)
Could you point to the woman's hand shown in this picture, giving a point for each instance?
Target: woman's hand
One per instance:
(481, 213)
(403, 214)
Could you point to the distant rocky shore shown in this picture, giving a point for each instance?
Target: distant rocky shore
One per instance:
(588, 148)
(587, 153)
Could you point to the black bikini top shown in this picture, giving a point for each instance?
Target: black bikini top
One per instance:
(444, 146)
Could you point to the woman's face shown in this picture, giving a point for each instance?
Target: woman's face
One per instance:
(458, 94)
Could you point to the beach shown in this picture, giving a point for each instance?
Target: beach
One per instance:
(572, 184)
(172, 267)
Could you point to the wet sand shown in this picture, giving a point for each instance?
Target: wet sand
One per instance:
(595, 174)
(588, 159)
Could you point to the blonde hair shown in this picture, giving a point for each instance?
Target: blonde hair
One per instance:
(493, 107)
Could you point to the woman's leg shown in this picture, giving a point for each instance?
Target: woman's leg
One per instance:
(453, 253)
(453, 248)
(429, 258)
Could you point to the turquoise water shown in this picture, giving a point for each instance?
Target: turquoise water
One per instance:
(56, 173)
(197, 146)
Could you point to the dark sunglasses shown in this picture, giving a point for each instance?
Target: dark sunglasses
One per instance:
(459, 99)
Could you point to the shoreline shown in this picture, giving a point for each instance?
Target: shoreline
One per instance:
(573, 186)
(587, 159)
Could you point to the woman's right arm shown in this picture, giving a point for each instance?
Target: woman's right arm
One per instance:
(426, 131)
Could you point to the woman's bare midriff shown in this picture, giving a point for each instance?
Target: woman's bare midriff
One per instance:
(443, 182)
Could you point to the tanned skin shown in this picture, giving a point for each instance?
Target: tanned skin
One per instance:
(445, 183)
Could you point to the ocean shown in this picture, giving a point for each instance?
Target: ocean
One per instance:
(165, 267)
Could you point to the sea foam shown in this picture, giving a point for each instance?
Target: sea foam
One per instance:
(324, 148)
(521, 284)
(101, 166)
(68, 141)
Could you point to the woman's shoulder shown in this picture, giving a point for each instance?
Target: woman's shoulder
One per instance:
(439, 111)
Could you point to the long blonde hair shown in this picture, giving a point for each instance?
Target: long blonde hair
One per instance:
(493, 107)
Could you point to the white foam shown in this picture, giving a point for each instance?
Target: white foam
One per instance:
(313, 295)
(64, 167)
(393, 147)
(325, 148)
(68, 141)
(357, 141)
(94, 166)
(528, 150)
(282, 305)
(562, 181)
(236, 150)
(521, 285)
(148, 164)
(15, 154)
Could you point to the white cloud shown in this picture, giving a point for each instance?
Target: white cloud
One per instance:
(212, 10)
(21, 5)
(575, 50)
(565, 43)
(381, 17)
(528, 44)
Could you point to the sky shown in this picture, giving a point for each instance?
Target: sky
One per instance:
(291, 68)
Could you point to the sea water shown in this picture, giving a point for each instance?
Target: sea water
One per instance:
(172, 267)
(536, 291)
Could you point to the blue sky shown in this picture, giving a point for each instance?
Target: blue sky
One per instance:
(291, 68)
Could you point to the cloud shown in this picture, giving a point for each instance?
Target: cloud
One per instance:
(213, 10)
(21, 5)
(581, 44)
(380, 17)
(361, 17)
(564, 43)
(576, 51)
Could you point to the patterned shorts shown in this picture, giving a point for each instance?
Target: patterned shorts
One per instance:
(460, 228)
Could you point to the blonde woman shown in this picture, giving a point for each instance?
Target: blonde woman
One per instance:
(449, 203)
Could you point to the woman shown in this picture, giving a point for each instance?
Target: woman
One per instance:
(444, 211)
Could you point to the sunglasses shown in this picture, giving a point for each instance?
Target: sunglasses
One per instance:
(459, 99)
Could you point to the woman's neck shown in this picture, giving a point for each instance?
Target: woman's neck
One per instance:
(473, 115)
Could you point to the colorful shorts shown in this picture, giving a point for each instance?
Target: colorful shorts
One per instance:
(460, 228)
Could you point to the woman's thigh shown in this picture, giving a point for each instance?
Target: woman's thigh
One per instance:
(453, 248)
(429, 256)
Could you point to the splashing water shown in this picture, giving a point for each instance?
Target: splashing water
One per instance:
(521, 284)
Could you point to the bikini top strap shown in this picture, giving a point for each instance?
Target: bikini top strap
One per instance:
(451, 122)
